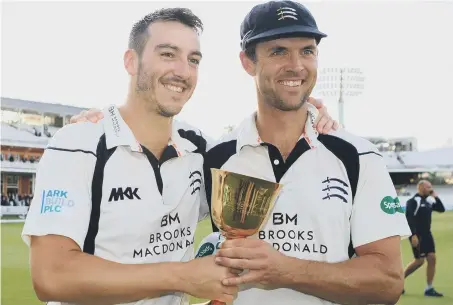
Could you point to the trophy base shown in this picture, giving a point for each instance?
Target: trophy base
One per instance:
(234, 233)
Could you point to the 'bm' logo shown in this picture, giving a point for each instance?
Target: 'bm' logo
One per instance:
(282, 219)
(169, 219)
(118, 194)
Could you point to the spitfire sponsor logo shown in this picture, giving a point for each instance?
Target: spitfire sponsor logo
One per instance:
(205, 250)
(290, 238)
(391, 205)
(169, 239)
(55, 201)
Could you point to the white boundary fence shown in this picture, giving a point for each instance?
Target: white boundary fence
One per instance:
(20, 211)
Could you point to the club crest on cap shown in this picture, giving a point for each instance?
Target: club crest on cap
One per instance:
(286, 12)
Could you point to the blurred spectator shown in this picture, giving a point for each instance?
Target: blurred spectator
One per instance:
(4, 200)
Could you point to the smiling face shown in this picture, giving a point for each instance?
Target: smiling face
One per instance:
(165, 74)
(285, 71)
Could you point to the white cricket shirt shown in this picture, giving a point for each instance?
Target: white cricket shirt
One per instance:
(98, 186)
(315, 217)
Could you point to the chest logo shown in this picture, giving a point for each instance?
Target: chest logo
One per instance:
(118, 193)
(334, 188)
(195, 181)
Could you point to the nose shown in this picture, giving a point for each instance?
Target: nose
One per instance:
(182, 69)
(296, 63)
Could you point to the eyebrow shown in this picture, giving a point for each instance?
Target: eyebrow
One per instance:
(310, 47)
(175, 48)
(281, 48)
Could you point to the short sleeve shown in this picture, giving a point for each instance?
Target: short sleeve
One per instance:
(61, 203)
(204, 204)
(377, 211)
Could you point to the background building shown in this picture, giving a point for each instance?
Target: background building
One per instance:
(26, 127)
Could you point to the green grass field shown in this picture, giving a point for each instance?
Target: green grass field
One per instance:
(16, 286)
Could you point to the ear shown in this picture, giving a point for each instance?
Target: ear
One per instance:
(131, 62)
(248, 64)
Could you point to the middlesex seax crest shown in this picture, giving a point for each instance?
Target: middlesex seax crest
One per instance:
(391, 205)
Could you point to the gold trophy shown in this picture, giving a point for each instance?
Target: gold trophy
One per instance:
(240, 205)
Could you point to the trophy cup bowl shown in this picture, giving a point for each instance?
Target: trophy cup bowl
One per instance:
(240, 204)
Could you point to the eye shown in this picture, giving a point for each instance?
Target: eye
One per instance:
(278, 52)
(195, 61)
(308, 52)
(168, 54)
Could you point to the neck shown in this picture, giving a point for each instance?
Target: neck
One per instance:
(280, 128)
(149, 128)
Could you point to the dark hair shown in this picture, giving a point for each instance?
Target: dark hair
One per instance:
(139, 34)
(250, 52)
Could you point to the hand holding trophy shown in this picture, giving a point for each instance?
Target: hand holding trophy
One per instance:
(240, 204)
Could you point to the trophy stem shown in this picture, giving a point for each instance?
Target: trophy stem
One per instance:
(240, 204)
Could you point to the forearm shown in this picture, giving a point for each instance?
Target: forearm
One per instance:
(411, 221)
(87, 279)
(438, 206)
(410, 216)
(362, 280)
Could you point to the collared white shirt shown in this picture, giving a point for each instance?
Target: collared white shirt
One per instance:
(315, 217)
(98, 186)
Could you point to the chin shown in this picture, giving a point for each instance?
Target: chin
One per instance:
(288, 106)
(169, 111)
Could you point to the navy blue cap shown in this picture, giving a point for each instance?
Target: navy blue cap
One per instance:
(276, 19)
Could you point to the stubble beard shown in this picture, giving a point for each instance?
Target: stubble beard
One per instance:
(145, 88)
(273, 100)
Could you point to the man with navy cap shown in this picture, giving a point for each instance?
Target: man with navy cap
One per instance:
(334, 234)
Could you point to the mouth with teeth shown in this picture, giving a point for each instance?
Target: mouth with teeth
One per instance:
(174, 88)
(292, 83)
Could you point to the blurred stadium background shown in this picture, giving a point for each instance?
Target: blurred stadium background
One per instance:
(27, 126)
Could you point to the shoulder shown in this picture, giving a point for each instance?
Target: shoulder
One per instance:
(182, 127)
(82, 136)
(193, 134)
(411, 200)
(342, 137)
(221, 150)
(228, 139)
(225, 144)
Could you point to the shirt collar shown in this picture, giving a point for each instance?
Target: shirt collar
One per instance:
(181, 144)
(248, 133)
(118, 133)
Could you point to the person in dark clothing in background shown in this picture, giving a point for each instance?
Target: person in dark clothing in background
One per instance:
(418, 213)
